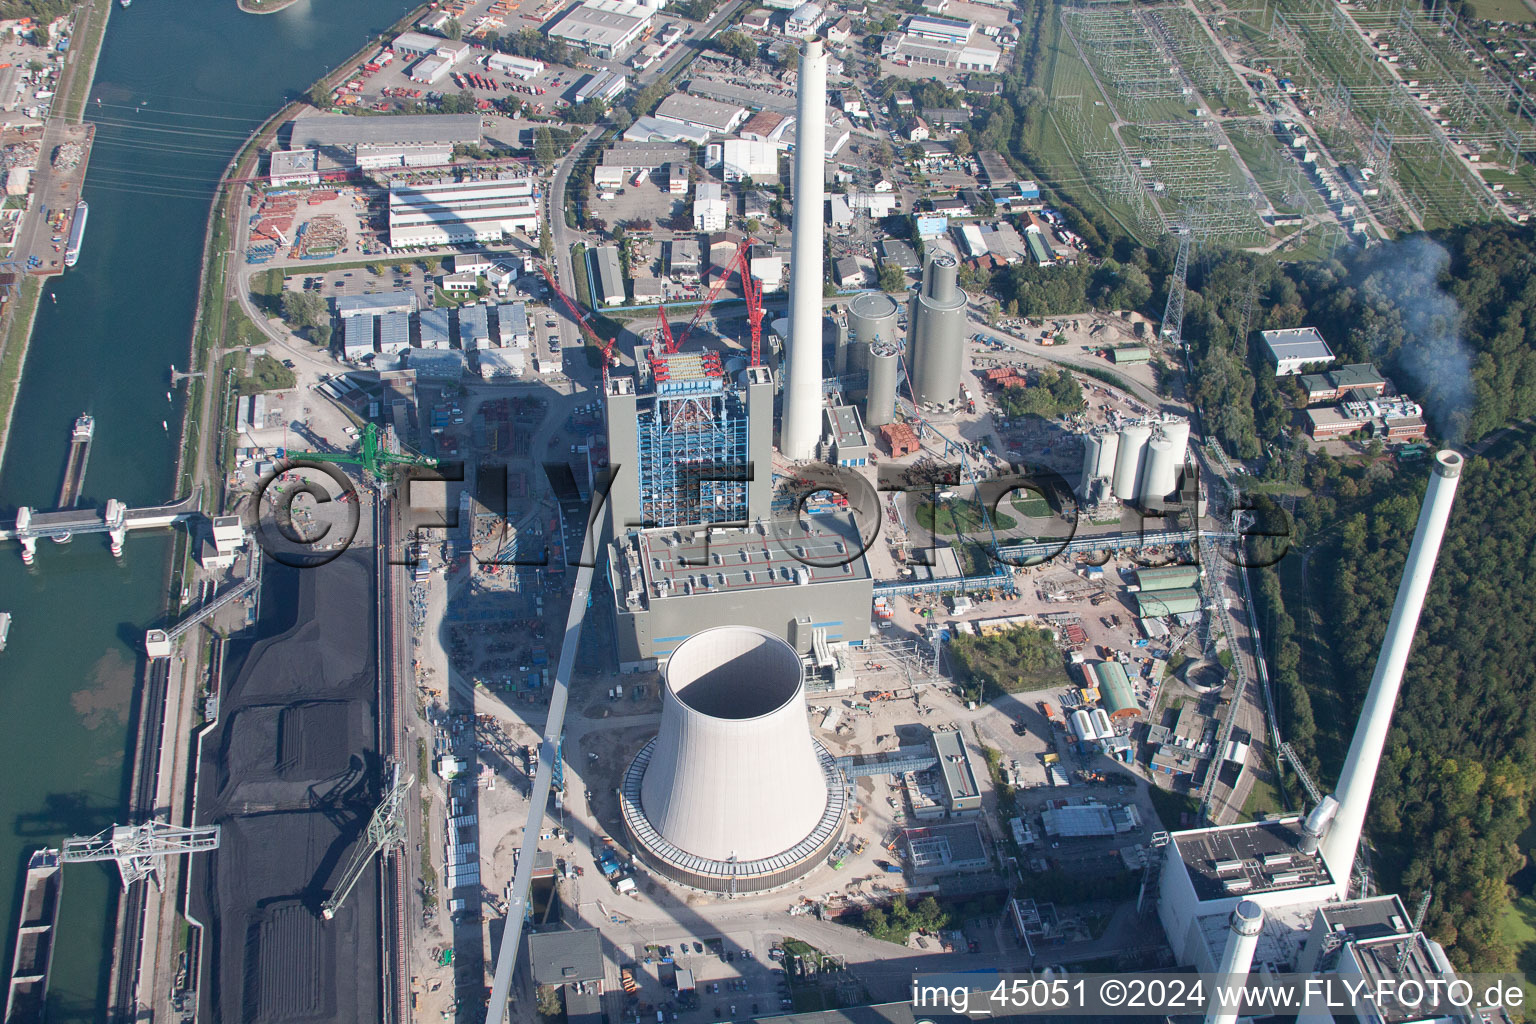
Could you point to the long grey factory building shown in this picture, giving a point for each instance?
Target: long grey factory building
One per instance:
(795, 579)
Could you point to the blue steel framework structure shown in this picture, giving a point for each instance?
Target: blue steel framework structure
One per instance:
(693, 444)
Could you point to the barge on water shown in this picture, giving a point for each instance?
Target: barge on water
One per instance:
(76, 234)
(79, 458)
(27, 1000)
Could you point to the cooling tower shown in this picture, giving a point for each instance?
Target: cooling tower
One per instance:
(1099, 457)
(1128, 460)
(884, 362)
(1160, 470)
(1237, 957)
(800, 429)
(871, 316)
(937, 349)
(1359, 773)
(733, 795)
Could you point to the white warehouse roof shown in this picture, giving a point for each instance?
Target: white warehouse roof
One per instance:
(700, 112)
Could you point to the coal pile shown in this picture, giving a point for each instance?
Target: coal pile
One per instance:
(291, 772)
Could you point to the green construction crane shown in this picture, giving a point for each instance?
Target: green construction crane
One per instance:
(375, 459)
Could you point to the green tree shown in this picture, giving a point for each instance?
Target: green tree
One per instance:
(303, 310)
(961, 144)
(883, 154)
(546, 241)
(376, 269)
(452, 29)
(322, 335)
(549, 1003)
(544, 148)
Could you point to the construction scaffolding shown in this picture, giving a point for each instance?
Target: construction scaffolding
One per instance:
(692, 433)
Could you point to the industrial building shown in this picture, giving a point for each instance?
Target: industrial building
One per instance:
(357, 337)
(845, 434)
(375, 304)
(369, 143)
(938, 332)
(603, 28)
(1294, 348)
(697, 112)
(946, 849)
(419, 44)
(456, 212)
(733, 795)
(942, 30)
(606, 86)
(743, 158)
(1333, 385)
(1166, 577)
(521, 67)
(654, 129)
(710, 212)
(571, 961)
(1116, 693)
(962, 795)
(669, 584)
(1160, 603)
(294, 167)
(689, 447)
(1208, 871)
(606, 275)
(906, 48)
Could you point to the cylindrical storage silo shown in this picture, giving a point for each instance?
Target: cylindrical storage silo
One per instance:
(1101, 723)
(1160, 470)
(1133, 445)
(884, 373)
(1082, 725)
(733, 794)
(1099, 456)
(871, 316)
(1177, 431)
(937, 351)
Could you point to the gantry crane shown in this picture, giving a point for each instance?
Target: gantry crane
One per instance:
(375, 458)
(385, 829)
(752, 290)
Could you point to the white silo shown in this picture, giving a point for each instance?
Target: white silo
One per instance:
(733, 795)
(1160, 470)
(1128, 460)
(1177, 431)
(884, 361)
(1099, 457)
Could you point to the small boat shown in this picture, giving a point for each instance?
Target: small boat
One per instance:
(54, 297)
(165, 426)
(124, 3)
(5, 629)
(167, 396)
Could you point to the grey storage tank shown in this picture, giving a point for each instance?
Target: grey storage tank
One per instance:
(1160, 470)
(938, 332)
(1099, 452)
(871, 316)
(884, 373)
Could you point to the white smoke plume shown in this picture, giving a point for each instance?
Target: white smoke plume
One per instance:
(1434, 361)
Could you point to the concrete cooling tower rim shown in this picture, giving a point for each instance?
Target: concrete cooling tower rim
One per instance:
(705, 671)
(731, 876)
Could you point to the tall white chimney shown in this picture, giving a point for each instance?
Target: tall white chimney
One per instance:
(800, 428)
(1237, 958)
(1359, 774)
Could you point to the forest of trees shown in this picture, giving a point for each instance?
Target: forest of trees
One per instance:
(1012, 662)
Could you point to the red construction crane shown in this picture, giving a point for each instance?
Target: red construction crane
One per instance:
(751, 289)
(669, 343)
(587, 333)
